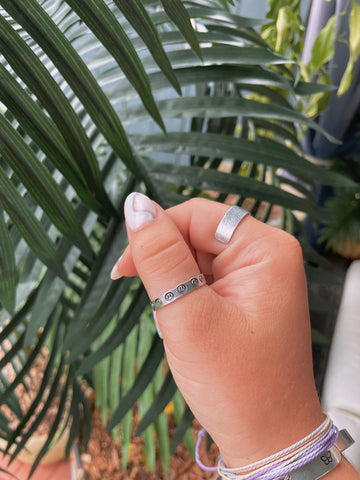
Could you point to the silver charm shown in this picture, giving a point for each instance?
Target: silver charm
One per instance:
(177, 292)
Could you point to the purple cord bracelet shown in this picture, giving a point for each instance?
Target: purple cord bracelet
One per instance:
(282, 467)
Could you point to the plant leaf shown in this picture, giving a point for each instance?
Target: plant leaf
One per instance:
(33, 72)
(138, 17)
(108, 30)
(56, 423)
(177, 12)
(182, 427)
(124, 326)
(209, 106)
(262, 151)
(163, 397)
(41, 185)
(142, 380)
(30, 228)
(354, 46)
(8, 273)
(48, 296)
(323, 48)
(34, 19)
(43, 131)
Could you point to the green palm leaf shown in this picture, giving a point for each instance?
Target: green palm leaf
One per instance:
(138, 16)
(8, 273)
(177, 12)
(29, 226)
(106, 27)
(41, 185)
(28, 66)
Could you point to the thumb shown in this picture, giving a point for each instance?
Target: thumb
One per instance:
(160, 253)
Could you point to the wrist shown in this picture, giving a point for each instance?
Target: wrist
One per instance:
(272, 433)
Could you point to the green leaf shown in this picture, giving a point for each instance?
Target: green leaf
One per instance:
(146, 331)
(354, 26)
(143, 378)
(100, 292)
(262, 151)
(323, 48)
(13, 402)
(8, 273)
(221, 17)
(44, 133)
(47, 299)
(29, 361)
(108, 30)
(318, 337)
(127, 382)
(55, 426)
(182, 428)
(30, 228)
(218, 107)
(246, 74)
(138, 17)
(114, 381)
(225, 55)
(354, 46)
(48, 401)
(309, 88)
(34, 74)
(177, 12)
(203, 179)
(124, 326)
(34, 19)
(163, 397)
(75, 415)
(161, 423)
(41, 185)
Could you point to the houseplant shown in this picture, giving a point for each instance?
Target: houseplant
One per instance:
(78, 82)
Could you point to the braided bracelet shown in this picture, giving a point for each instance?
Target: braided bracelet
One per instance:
(310, 458)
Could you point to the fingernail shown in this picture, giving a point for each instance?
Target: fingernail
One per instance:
(115, 274)
(157, 325)
(139, 211)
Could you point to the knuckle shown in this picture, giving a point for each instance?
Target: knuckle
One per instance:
(166, 257)
(194, 203)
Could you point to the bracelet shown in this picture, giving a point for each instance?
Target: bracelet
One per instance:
(309, 459)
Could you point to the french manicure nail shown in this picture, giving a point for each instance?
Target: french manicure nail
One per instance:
(139, 211)
(115, 274)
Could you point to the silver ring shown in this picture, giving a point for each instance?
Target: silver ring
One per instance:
(179, 291)
(229, 222)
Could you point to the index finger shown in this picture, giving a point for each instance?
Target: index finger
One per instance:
(197, 221)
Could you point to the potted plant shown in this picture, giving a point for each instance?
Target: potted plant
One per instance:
(100, 99)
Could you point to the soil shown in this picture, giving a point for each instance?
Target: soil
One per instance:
(102, 461)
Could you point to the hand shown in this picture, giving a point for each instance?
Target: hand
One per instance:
(239, 348)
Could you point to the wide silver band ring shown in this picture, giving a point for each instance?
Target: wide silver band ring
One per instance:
(179, 291)
(229, 222)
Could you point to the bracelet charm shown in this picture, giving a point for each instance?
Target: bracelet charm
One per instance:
(324, 463)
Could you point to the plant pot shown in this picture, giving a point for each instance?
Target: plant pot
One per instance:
(349, 250)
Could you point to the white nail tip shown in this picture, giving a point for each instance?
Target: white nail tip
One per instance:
(115, 275)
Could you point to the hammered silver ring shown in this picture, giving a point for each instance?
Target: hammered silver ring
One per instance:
(229, 223)
(179, 291)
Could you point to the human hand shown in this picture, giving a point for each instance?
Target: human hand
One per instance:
(239, 347)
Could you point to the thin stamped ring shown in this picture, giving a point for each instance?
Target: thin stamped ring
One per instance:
(229, 223)
(179, 291)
